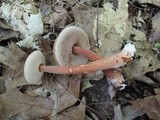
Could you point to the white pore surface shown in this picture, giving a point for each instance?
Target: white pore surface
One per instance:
(31, 67)
(129, 48)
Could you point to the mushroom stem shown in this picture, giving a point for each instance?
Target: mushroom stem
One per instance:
(92, 56)
(87, 53)
(114, 61)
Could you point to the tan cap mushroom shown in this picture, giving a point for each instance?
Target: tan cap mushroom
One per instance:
(31, 67)
(69, 37)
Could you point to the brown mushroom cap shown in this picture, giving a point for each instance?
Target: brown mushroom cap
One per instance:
(64, 43)
(31, 67)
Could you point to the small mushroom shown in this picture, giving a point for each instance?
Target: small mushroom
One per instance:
(31, 67)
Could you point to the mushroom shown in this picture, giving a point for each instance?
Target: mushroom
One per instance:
(113, 61)
(31, 67)
(71, 55)
(69, 37)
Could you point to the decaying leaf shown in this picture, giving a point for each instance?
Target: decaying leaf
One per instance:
(73, 112)
(149, 105)
(13, 57)
(2, 86)
(112, 27)
(139, 35)
(155, 28)
(6, 34)
(59, 17)
(146, 62)
(99, 99)
(155, 2)
(129, 112)
(86, 84)
(14, 102)
(113, 19)
(25, 18)
(64, 91)
(84, 19)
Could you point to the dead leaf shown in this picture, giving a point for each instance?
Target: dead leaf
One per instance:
(13, 57)
(155, 2)
(145, 79)
(113, 19)
(6, 34)
(60, 17)
(73, 112)
(146, 62)
(6, 31)
(14, 102)
(139, 35)
(64, 91)
(149, 105)
(84, 19)
(99, 99)
(154, 75)
(46, 9)
(2, 86)
(155, 28)
(130, 112)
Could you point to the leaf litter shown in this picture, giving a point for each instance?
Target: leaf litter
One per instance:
(109, 26)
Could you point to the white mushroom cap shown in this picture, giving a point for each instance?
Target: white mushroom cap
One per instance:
(31, 67)
(64, 43)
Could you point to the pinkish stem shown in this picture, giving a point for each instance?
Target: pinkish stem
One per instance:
(93, 56)
(114, 61)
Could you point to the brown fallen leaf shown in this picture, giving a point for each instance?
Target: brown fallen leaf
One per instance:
(13, 57)
(84, 19)
(65, 93)
(149, 105)
(73, 112)
(14, 102)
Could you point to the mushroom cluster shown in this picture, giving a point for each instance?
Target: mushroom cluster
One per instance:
(73, 58)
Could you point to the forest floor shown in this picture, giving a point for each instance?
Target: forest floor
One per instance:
(30, 25)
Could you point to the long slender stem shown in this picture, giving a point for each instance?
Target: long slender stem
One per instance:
(114, 61)
(94, 56)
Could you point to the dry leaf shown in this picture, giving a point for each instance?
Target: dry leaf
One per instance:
(84, 19)
(155, 2)
(2, 86)
(155, 28)
(149, 105)
(14, 58)
(6, 34)
(64, 91)
(14, 102)
(129, 112)
(73, 112)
